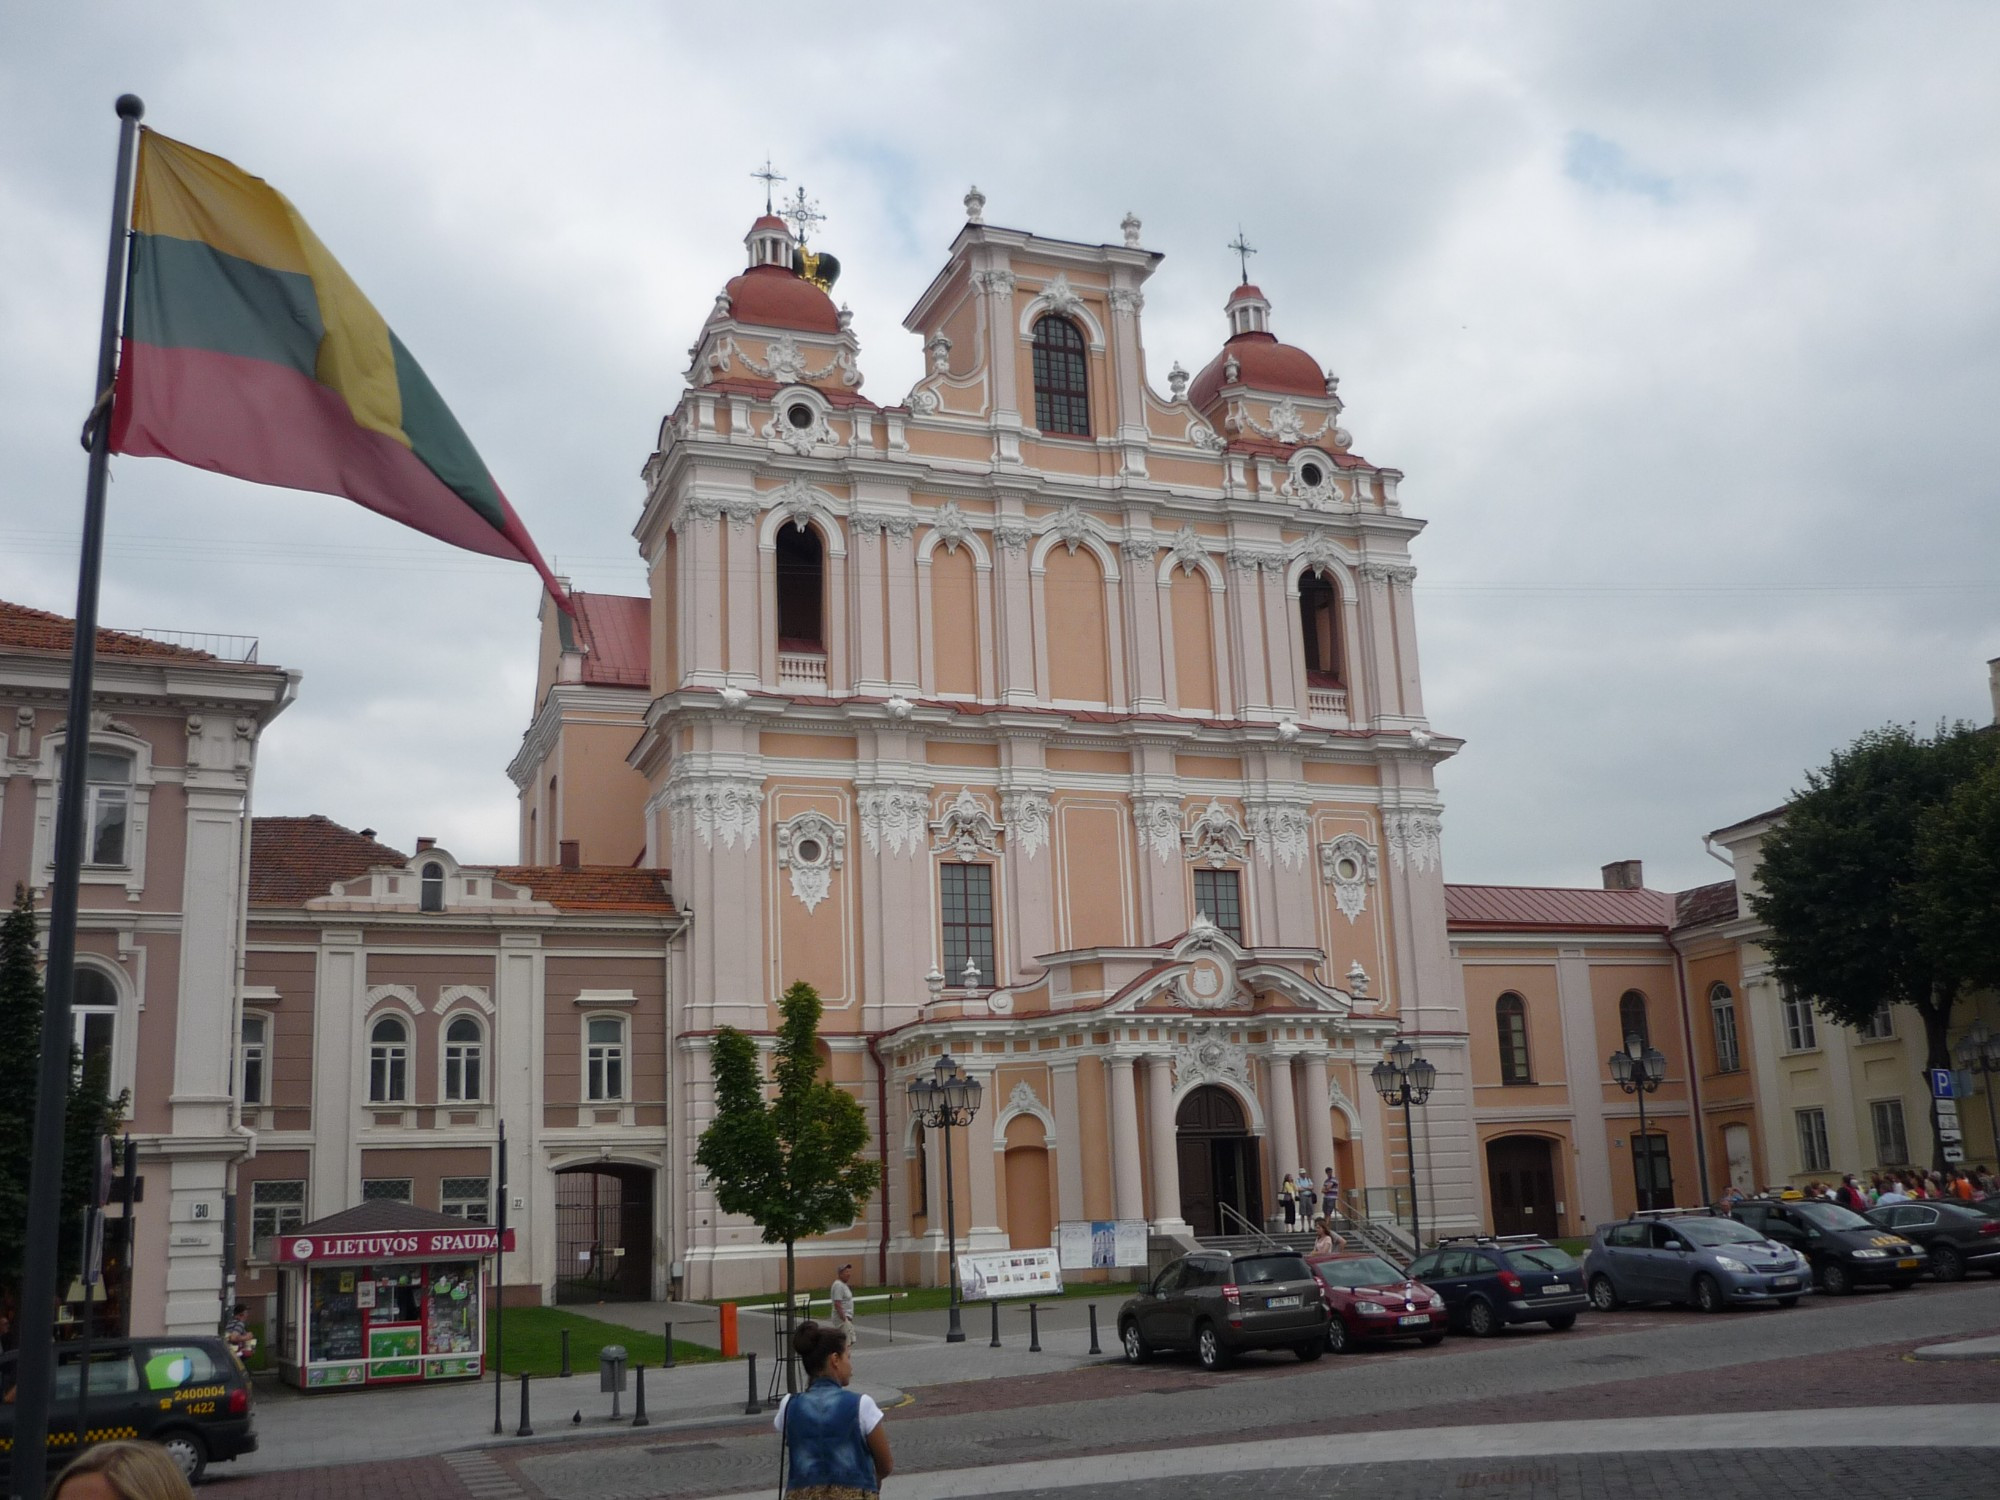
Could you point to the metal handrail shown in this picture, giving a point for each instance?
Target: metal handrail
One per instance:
(1229, 1210)
(1380, 1237)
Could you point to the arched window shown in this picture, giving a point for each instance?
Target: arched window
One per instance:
(1632, 1019)
(1062, 388)
(93, 1018)
(388, 1061)
(605, 1058)
(464, 1061)
(801, 564)
(1319, 624)
(1511, 1014)
(1722, 1013)
(433, 888)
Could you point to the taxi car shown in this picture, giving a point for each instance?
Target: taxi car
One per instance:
(1846, 1250)
(191, 1396)
(1369, 1300)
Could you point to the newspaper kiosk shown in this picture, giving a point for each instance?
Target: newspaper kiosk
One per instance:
(383, 1294)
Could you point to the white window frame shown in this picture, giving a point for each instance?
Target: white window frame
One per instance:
(261, 1049)
(455, 1204)
(594, 1063)
(393, 1055)
(48, 774)
(1814, 1153)
(1881, 1026)
(1723, 1018)
(81, 1015)
(1878, 1111)
(452, 1091)
(282, 1217)
(99, 794)
(1801, 1022)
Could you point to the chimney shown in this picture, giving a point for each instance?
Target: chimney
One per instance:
(1993, 685)
(571, 855)
(1625, 875)
(426, 843)
(368, 833)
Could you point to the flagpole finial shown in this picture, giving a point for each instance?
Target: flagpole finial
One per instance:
(131, 107)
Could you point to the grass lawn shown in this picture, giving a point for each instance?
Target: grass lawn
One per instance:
(1575, 1247)
(534, 1342)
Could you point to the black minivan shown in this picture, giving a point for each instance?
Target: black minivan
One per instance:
(191, 1396)
(1846, 1250)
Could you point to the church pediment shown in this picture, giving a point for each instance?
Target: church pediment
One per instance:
(1210, 974)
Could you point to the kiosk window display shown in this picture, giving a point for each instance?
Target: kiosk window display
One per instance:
(383, 1294)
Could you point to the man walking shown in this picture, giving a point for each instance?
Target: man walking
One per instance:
(842, 1297)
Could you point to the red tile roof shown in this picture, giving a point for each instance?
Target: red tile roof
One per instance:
(593, 887)
(616, 632)
(1706, 903)
(294, 860)
(1486, 908)
(24, 629)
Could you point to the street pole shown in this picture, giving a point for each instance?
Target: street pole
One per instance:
(1645, 1141)
(499, 1281)
(954, 1333)
(35, 1365)
(1410, 1145)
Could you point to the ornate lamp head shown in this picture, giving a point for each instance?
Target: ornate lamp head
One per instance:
(1423, 1078)
(1621, 1069)
(1635, 1045)
(1656, 1066)
(1399, 1053)
(1383, 1076)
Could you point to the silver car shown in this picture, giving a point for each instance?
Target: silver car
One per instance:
(1709, 1263)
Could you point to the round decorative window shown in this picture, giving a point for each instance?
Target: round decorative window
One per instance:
(1312, 476)
(799, 415)
(808, 851)
(1347, 867)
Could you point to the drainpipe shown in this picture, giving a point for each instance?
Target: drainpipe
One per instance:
(882, 1152)
(1694, 1070)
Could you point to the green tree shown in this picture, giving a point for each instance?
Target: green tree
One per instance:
(793, 1162)
(1862, 906)
(88, 1110)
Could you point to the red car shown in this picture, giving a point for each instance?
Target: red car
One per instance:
(1371, 1300)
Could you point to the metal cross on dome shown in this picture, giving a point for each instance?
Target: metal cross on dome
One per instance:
(1244, 250)
(804, 214)
(769, 178)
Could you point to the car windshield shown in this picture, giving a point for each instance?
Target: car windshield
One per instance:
(1257, 1269)
(1364, 1270)
(1541, 1258)
(1717, 1232)
(1830, 1216)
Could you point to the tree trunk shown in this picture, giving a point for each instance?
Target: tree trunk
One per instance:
(791, 1312)
(1937, 1054)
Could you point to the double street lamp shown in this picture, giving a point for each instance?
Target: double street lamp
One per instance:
(1403, 1078)
(1638, 1070)
(1978, 1051)
(949, 1097)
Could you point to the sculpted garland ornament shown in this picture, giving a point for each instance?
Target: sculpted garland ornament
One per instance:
(1027, 815)
(1157, 821)
(1216, 836)
(1413, 837)
(721, 805)
(894, 816)
(1203, 1059)
(953, 530)
(966, 830)
(1281, 832)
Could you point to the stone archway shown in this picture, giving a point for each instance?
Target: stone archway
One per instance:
(604, 1233)
(1218, 1162)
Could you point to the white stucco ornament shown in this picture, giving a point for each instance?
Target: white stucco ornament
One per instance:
(1206, 1058)
(1209, 983)
(719, 807)
(1216, 836)
(1349, 864)
(1028, 815)
(1060, 297)
(951, 527)
(894, 818)
(966, 829)
(1413, 836)
(811, 847)
(1281, 832)
(1157, 821)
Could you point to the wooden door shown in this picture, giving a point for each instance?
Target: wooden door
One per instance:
(1029, 1222)
(1521, 1184)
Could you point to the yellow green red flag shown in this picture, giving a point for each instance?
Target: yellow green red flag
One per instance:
(249, 351)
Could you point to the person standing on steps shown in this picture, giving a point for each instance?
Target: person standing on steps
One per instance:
(1288, 1203)
(833, 1446)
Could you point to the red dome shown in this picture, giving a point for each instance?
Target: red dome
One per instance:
(1266, 366)
(769, 221)
(772, 297)
(1244, 293)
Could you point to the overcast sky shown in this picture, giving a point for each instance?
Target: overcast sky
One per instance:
(1680, 319)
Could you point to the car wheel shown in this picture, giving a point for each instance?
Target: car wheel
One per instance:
(1788, 1302)
(1603, 1295)
(1309, 1351)
(1338, 1339)
(1137, 1350)
(1208, 1348)
(1707, 1295)
(189, 1453)
(1834, 1280)
(1564, 1323)
(1430, 1340)
(1480, 1319)
(1947, 1264)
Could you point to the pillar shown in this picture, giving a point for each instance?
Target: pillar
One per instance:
(1166, 1147)
(1281, 1116)
(1319, 1119)
(982, 1225)
(1127, 1179)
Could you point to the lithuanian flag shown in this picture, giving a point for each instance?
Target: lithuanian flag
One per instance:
(249, 351)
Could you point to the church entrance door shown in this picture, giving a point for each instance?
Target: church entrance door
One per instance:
(1218, 1162)
(1521, 1179)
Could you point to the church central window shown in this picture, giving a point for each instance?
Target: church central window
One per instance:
(1319, 625)
(1062, 393)
(801, 589)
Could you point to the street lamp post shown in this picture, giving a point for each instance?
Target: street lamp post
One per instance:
(1403, 1078)
(1638, 1070)
(948, 1097)
(1978, 1051)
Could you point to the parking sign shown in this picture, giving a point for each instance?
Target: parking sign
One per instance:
(1941, 1084)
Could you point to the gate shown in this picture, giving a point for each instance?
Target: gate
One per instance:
(604, 1234)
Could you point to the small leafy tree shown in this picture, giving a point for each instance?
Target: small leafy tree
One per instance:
(88, 1111)
(1871, 881)
(792, 1162)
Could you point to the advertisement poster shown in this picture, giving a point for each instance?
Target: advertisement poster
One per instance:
(392, 1353)
(1009, 1273)
(1101, 1244)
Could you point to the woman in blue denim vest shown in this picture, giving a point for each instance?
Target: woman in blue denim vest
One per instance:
(834, 1445)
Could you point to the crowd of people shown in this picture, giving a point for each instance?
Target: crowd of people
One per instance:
(1903, 1185)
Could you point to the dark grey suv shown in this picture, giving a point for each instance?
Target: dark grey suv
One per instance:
(1219, 1305)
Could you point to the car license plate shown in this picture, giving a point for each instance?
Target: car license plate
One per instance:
(1784, 1281)
(1906, 1265)
(1410, 1320)
(1560, 1286)
(1284, 1302)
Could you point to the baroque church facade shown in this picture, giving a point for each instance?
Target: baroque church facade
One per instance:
(1039, 718)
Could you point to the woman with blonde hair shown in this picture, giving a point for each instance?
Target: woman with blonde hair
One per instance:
(121, 1471)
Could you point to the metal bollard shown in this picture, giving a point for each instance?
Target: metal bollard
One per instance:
(1093, 1330)
(1034, 1329)
(669, 1362)
(639, 1417)
(752, 1407)
(524, 1430)
(996, 1325)
(565, 1352)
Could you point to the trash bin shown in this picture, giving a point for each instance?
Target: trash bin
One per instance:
(611, 1369)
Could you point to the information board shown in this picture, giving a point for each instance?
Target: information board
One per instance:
(1101, 1244)
(1009, 1273)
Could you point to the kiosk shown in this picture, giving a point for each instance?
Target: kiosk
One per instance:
(383, 1294)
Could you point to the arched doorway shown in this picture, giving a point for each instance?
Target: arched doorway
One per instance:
(604, 1233)
(1521, 1185)
(1030, 1215)
(1218, 1160)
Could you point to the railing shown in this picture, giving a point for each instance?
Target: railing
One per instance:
(801, 669)
(1326, 700)
(1229, 1211)
(1379, 1217)
(236, 648)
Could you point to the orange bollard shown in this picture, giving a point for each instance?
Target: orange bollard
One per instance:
(729, 1330)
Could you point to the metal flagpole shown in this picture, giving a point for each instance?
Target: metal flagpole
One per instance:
(36, 1359)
